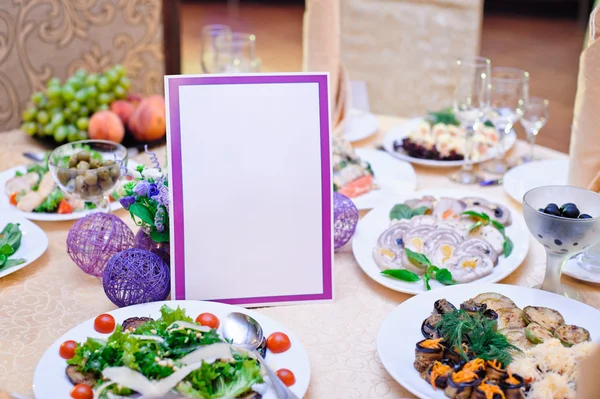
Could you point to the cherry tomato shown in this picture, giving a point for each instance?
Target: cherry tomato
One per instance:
(278, 342)
(104, 324)
(208, 320)
(64, 207)
(67, 349)
(82, 391)
(286, 376)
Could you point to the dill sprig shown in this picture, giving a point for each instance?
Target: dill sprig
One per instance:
(479, 333)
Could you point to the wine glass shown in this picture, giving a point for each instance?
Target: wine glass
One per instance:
(561, 237)
(89, 170)
(510, 91)
(238, 53)
(533, 120)
(471, 101)
(210, 56)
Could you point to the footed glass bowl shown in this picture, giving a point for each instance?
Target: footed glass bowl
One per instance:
(561, 237)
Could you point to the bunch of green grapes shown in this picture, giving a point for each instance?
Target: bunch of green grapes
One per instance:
(63, 111)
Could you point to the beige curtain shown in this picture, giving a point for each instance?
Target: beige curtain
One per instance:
(40, 39)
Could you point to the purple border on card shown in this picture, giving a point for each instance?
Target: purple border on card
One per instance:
(174, 83)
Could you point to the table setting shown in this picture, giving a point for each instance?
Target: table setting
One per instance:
(355, 256)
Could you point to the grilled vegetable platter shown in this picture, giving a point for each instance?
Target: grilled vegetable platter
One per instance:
(495, 346)
(168, 349)
(440, 237)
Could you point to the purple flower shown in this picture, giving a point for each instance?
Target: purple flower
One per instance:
(163, 194)
(159, 219)
(126, 202)
(141, 188)
(152, 190)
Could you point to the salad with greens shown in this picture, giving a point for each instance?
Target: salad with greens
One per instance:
(170, 355)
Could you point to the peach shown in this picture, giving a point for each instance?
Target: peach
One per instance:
(134, 98)
(123, 109)
(106, 125)
(155, 101)
(148, 122)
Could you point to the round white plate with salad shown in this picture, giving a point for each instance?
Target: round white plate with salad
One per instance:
(467, 235)
(21, 242)
(169, 345)
(394, 138)
(519, 310)
(54, 206)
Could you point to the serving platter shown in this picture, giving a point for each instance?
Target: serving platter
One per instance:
(392, 177)
(359, 125)
(520, 179)
(50, 381)
(48, 217)
(397, 355)
(403, 130)
(34, 241)
(377, 220)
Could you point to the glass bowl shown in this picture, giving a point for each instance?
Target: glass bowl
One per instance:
(561, 237)
(89, 169)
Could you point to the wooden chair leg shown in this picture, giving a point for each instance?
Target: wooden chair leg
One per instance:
(171, 37)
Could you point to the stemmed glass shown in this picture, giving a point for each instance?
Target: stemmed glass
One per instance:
(533, 120)
(471, 102)
(510, 91)
(210, 55)
(238, 53)
(561, 237)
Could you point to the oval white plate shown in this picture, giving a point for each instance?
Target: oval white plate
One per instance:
(397, 355)
(360, 125)
(392, 176)
(50, 381)
(572, 269)
(402, 131)
(527, 176)
(375, 222)
(47, 217)
(33, 243)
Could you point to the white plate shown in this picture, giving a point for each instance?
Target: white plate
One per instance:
(50, 381)
(392, 176)
(402, 131)
(401, 330)
(33, 243)
(572, 269)
(375, 222)
(359, 125)
(50, 217)
(527, 176)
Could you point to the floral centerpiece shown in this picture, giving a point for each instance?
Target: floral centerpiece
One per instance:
(146, 197)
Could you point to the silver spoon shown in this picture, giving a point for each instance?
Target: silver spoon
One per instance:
(244, 331)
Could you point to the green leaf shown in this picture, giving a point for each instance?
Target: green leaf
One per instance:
(335, 187)
(14, 262)
(488, 124)
(426, 278)
(401, 211)
(431, 270)
(7, 250)
(417, 258)
(142, 212)
(2, 260)
(369, 169)
(419, 211)
(160, 236)
(444, 276)
(482, 216)
(499, 226)
(476, 225)
(508, 246)
(401, 274)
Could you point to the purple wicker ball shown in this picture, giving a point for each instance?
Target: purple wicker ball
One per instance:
(94, 239)
(136, 276)
(345, 217)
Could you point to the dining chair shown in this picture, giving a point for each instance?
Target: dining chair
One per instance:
(40, 40)
(405, 49)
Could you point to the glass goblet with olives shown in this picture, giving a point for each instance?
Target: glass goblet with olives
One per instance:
(89, 170)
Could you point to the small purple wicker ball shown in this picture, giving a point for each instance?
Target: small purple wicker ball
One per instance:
(92, 241)
(345, 217)
(136, 276)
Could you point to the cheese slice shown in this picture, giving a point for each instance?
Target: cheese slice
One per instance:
(208, 354)
(189, 326)
(148, 338)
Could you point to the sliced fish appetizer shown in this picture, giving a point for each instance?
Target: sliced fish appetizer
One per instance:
(449, 209)
(466, 268)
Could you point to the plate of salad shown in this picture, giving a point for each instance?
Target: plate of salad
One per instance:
(168, 349)
(21, 242)
(30, 190)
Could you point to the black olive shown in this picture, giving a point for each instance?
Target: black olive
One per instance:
(498, 212)
(584, 216)
(570, 212)
(442, 306)
(567, 205)
(552, 209)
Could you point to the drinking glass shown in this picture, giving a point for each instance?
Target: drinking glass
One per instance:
(471, 101)
(533, 120)
(211, 58)
(510, 91)
(561, 237)
(238, 53)
(590, 259)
